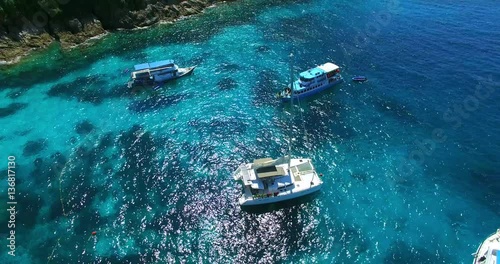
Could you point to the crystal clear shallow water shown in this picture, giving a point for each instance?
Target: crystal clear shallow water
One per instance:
(151, 172)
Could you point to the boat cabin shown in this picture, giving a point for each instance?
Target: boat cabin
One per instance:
(316, 77)
(147, 71)
(311, 75)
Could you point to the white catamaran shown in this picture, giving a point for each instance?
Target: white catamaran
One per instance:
(268, 180)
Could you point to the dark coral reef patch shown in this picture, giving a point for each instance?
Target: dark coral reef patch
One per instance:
(34, 147)
(11, 109)
(84, 127)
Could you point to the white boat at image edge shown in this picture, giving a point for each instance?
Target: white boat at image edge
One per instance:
(158, 72)
(267, 180)
(489, 251)
(312, 82)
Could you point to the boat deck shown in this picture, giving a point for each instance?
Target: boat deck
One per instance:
(489, 251)
(273, 183)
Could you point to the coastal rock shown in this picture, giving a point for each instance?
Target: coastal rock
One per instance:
(18, 41)
(55, 27)
(190, 8)
(10, 50)
(38, 41)
(75, 26)
(113, 17)
(91, 27)
(171, 12)
(146, 17)
(18, 36)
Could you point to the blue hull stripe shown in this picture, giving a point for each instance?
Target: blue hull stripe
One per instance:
(313, 91)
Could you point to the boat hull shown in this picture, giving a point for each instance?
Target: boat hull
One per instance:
(181, 73)
(159, 79)
(275, 199)
(314, 91)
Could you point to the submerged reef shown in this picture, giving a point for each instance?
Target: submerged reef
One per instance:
(33, 147)
(11, 109)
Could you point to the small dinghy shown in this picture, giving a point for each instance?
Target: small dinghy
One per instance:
(359, 79)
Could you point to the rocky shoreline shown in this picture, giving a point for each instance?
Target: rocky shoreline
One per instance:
(19, 38)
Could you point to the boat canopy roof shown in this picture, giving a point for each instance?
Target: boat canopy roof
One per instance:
(267, 167)
(328, 67)
(267, 162)
(153, 65)
(312, 73)
(272, 171)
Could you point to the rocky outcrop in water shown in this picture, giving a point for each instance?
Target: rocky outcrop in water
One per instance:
(27, 25)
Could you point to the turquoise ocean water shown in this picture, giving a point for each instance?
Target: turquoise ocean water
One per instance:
(410, 158)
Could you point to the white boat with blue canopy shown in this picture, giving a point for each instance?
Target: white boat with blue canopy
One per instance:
(312, 82)
(158, 72)
(489, 251)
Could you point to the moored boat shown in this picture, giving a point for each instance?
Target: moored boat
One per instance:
(158, 72)
(489, 251)
(313, 81)
(267, 180)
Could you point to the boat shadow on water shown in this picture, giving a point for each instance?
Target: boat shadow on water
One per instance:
(266, 208)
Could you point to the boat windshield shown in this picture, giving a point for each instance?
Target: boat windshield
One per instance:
(141, 74)
(303, 79)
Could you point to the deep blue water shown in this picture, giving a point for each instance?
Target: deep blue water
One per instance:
(411, 157)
